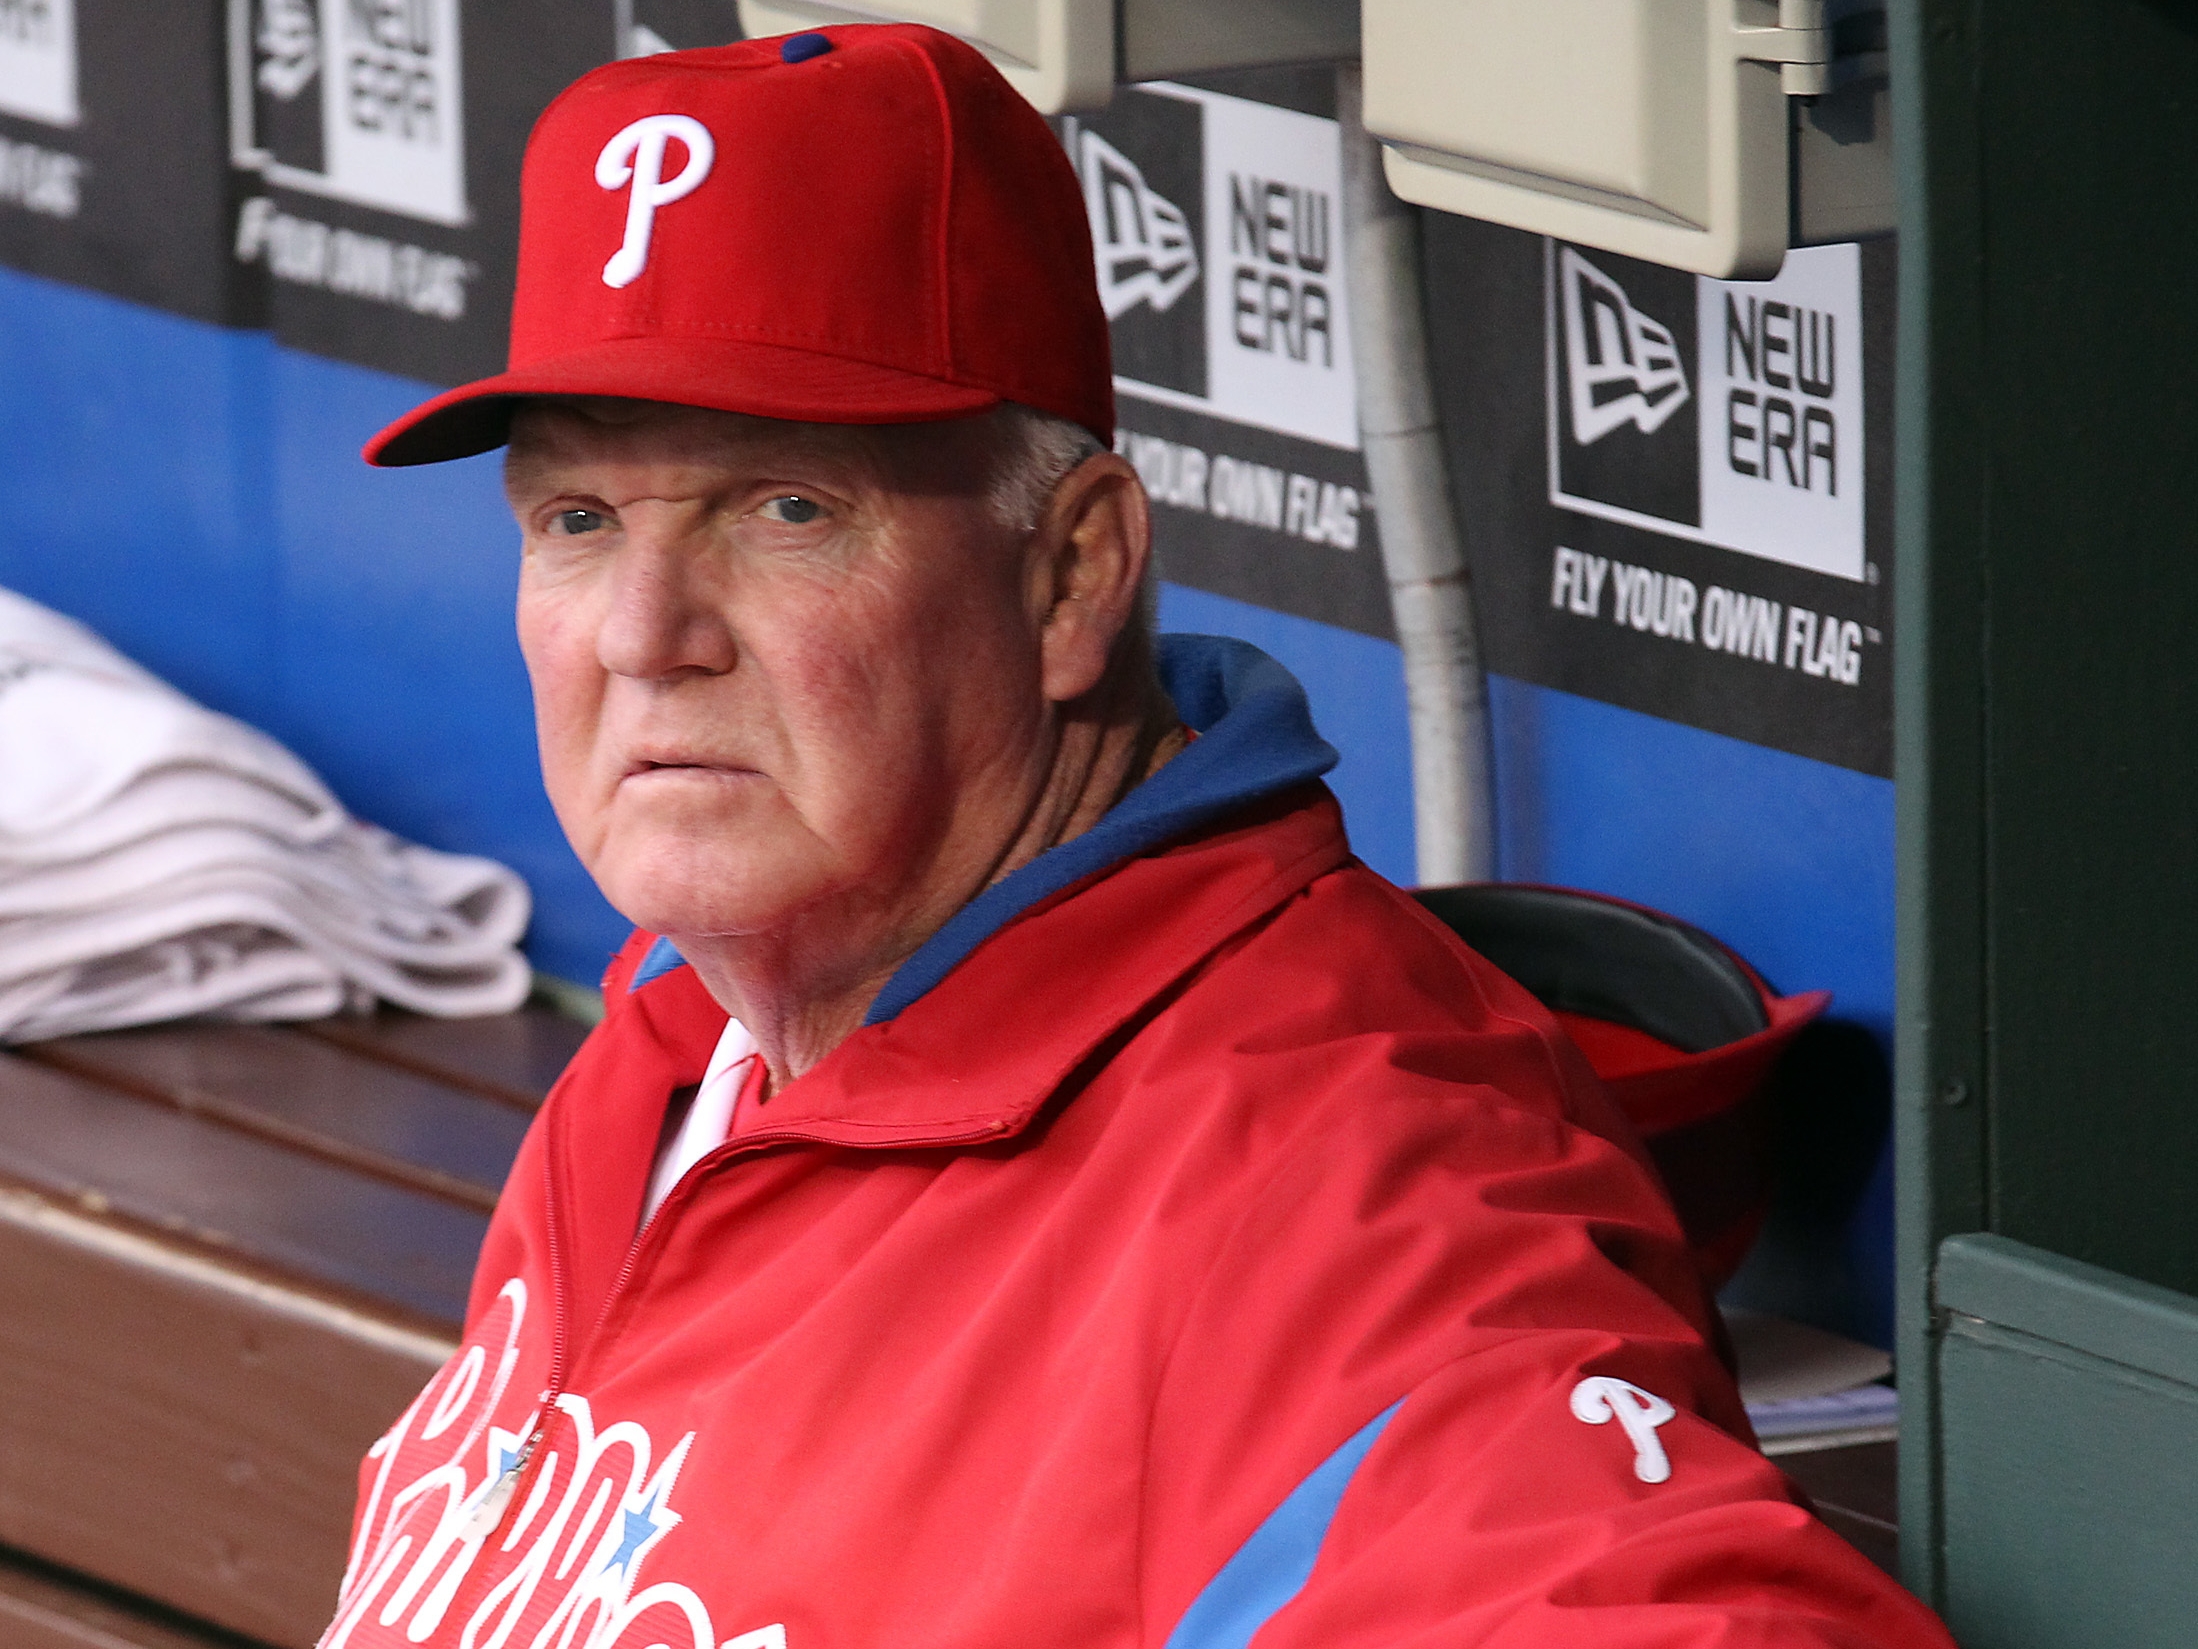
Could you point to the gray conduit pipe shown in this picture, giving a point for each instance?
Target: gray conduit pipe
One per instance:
(1445, 692)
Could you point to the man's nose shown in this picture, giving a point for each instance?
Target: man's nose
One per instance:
(665, 616)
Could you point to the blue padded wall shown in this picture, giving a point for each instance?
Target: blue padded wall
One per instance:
(1787, 860)
(135, 446)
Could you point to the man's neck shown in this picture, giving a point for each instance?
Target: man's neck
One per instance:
(800, 1001)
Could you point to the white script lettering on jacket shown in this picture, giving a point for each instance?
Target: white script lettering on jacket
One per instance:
(566, 1565)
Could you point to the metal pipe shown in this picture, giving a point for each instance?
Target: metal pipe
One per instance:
(1446, 694)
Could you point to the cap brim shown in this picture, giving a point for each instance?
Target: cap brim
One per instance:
(729, 375)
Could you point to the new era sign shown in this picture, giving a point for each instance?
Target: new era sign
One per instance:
(356, 100)
(1217, 224)
(112, 170)
(1727, 412)
(1676, 491)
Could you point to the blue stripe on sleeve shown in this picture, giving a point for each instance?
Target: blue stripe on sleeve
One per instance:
(1272, 1566)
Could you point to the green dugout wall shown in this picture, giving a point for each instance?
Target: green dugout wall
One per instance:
(2047, 766)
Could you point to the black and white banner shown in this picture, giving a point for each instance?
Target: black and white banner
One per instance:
(113, 171)
(1676, 490)
(1216, 224)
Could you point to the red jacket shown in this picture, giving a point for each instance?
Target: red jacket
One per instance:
(1220, 1249)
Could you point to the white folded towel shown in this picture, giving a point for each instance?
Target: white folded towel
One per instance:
(160, 860)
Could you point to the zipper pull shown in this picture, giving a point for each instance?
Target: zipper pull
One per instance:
(482, 1522)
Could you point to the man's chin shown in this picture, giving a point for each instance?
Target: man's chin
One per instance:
(716, 914)
(701, 855)
(702, 888)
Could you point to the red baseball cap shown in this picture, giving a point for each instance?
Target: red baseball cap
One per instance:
(856, 225)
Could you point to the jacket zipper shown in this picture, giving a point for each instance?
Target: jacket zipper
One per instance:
(497, 1504)
(500, 1498)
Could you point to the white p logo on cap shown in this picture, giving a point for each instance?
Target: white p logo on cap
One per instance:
(1600, 1399)
(636, 156)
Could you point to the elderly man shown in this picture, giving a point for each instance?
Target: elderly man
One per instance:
(1031, 1186)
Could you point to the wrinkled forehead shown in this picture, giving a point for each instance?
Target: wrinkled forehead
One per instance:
(555, 441)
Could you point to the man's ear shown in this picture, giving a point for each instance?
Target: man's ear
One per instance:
(1089, 557)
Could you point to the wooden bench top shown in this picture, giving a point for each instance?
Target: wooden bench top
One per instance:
(229, 1256)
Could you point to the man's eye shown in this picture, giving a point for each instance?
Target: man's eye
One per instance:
(570, 523)
(793, 510)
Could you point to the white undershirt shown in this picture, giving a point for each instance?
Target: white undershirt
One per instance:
(709, 1119)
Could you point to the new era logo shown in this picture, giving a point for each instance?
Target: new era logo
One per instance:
(362, 103)
(1146, 251)
(289, 41)
(1625, 401)
(1728, 412)
(1621, 367)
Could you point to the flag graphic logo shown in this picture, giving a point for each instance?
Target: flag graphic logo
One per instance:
(1621, 367)
(1145, 249)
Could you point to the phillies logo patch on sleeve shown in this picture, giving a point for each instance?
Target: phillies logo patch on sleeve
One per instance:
(635, 159)
(1600, 1399)
(468, 1538)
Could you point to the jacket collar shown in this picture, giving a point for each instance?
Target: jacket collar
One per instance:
(972, 1061)
(978, 1056)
